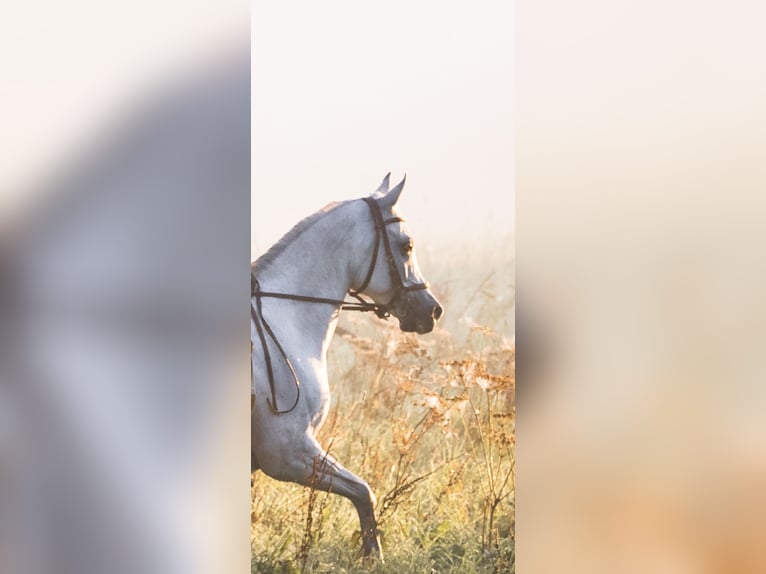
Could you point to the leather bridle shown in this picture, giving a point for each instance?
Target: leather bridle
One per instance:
(382, 311)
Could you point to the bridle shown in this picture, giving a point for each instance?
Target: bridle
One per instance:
(393, 271)
(382, 311)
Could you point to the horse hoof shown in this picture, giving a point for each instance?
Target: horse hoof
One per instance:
(371, 551)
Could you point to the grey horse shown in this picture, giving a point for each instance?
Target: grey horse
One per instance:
(360, 247)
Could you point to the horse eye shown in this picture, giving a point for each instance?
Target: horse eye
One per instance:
(407, 247)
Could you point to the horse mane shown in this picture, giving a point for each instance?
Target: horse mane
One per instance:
(304, 224)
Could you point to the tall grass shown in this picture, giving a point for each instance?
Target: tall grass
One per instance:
(428, 422)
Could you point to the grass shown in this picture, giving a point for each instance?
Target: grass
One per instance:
(428, 421)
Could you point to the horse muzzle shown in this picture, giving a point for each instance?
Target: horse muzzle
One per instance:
(417, 312)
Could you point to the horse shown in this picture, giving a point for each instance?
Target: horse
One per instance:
(298, 288)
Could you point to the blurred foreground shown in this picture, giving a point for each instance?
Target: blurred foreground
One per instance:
(641, 135)
(123, 283)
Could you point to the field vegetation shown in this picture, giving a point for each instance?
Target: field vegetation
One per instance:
(428, 422)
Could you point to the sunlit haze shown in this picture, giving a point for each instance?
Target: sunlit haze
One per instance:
(344, 92)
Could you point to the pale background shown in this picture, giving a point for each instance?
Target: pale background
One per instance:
(344, 92)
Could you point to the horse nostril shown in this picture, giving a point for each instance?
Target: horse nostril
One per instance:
(438, 312)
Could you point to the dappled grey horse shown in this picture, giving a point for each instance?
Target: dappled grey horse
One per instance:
(359, 247)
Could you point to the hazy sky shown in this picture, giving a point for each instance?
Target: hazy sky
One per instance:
(345, 91)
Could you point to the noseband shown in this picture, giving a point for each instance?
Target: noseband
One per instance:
(382, 311)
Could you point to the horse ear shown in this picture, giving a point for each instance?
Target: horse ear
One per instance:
(390, 199)
(383, 187)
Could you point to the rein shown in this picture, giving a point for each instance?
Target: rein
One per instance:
(382, 311)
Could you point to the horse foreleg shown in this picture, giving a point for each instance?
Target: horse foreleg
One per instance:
(330, 476)
(317, 469)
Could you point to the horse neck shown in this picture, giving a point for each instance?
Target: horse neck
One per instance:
(319, 263)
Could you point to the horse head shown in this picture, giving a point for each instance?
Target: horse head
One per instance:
(394, 279)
